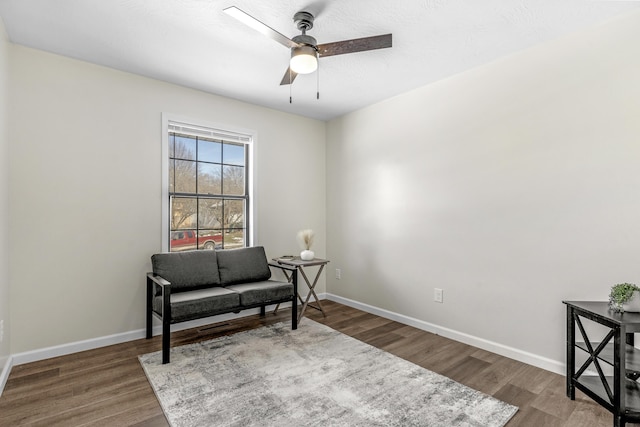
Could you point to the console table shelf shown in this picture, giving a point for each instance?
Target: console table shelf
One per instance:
(632, 395)
(618, 392)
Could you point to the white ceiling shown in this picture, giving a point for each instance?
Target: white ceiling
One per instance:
(193, 43)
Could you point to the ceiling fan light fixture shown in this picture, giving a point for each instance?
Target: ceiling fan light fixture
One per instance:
(304, 59)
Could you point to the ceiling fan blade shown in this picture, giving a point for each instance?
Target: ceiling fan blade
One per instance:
(355, 45)
(289, 77)
(252, 22)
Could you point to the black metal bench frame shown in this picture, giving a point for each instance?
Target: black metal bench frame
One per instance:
(157, 283)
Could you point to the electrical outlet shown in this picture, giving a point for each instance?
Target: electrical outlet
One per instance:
(437, 294)
(338, 274)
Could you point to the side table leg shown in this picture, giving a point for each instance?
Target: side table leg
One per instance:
(571, 353)
(305, 303)
(619, 377)
(312, 287)
(314, 292)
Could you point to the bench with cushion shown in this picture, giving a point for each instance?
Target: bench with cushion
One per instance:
(196, 284)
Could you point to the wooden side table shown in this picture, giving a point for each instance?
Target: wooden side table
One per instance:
(301, 265)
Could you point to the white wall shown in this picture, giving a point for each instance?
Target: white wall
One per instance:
(512, 186)
(4, 200)
(85, 191)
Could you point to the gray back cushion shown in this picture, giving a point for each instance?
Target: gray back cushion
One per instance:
(187, 270)
(243, 265)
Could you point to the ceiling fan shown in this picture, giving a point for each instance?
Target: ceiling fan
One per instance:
(304, 48)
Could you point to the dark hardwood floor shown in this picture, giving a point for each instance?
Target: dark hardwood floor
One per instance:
(107, 387)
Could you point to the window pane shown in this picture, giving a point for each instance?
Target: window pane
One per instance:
(209, 178)
(172, 175)
(233, 154)
(233, 214)
(209, 151)
(183, 213)
(172, 141)
(233, 180)
(185, 176)
(210, 213)
(185, 147)
(233, 238)
(184, 240)
(210, 239)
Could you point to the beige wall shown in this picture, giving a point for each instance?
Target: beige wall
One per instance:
(85, 191)
(4, 198)
(512, 187)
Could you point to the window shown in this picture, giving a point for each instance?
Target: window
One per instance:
(208, 187)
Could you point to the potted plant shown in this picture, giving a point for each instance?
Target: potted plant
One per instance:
(625, 297)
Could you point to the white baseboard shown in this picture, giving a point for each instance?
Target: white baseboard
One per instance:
(4, 375)
(503, 350)
(75, 347)
(90, 344)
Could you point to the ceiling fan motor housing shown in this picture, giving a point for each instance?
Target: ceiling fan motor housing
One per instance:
(305, 40)
(304, 21)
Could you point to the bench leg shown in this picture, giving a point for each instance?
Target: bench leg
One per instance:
(263, 311)
(166, 341)
(294, 314)
(294, 302)
(149, 308)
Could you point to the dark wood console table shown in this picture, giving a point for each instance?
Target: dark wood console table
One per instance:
(618, 390)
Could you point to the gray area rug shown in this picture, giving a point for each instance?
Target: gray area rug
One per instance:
(314, 376)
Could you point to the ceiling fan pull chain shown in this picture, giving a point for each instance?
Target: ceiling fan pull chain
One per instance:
(318, 82)
(290, 84)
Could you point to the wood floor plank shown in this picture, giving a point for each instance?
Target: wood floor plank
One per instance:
(439, 359)
(83, 412)
(107, 386)
(17, 383)
(535, 418)
(491, 379)
(464, 369)
(156, 421)
(423, 349)
(515, 395)
(589, 413)
(552, 400)
(534, 379)
(404, 347)
(146, 415)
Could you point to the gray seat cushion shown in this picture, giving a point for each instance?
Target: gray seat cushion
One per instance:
(199, 303)
(243, 265)
(262, 292)
(187, 270)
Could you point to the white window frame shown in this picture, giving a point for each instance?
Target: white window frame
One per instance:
(221, 131)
